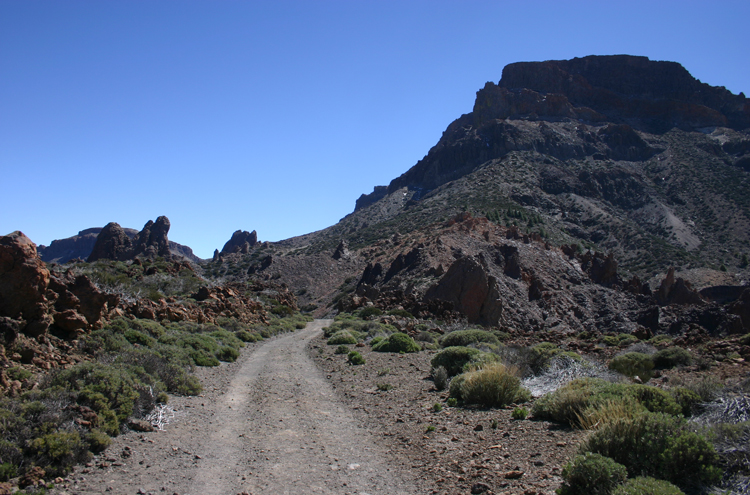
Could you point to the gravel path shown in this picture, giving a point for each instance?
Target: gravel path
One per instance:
(269, 423)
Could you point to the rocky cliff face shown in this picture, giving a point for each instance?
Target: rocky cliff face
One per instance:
(624, 154)
(113, 243)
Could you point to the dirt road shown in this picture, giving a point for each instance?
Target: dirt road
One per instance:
(269, 423)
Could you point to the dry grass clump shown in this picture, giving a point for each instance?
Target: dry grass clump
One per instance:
(493, 385)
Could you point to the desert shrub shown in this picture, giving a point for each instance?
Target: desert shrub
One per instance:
(282, 310)
(342, 337)
(342, 349)
(519, 413)
(621, 340)
(440, 377)
(647, 486)
(397, 342)
(228, 354)
(468, 337)
(57, 452)
(592, 474)
(453, 359)
(686, 399)
(652, 398)
(202, 358)
(376, 340)
(745, 339)
(356, 358)
(246, 336)
(97, 440)
(494, 385)
(369, 311)
(659, 445)
(118, 387)
(384, 387)
(451, 402)
(578, 402)
(708, 387)
(660, 340)
(7, 471)
(437, 407)
(400, 312)
(18, 373)
(596, 415)
(137, 337)
(671, 357)
(633, 364)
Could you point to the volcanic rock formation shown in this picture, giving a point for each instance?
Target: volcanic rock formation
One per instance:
(113, 242)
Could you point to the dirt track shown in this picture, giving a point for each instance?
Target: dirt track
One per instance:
(269, 423)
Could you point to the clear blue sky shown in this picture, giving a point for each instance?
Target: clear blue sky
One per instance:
(276, 116)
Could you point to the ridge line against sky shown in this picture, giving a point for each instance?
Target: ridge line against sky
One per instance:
(275, 117)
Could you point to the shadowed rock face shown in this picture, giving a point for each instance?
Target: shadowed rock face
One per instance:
(23, 284)
(652, 95)
(241, 242)
(113, 243)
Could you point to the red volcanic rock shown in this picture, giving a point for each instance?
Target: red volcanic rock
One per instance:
(23, 283)
(113, 243)
(470, 289)
(676, 291)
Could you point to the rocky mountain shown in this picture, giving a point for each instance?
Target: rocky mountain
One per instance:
(80, 246)
(621, 154)
(618, 155)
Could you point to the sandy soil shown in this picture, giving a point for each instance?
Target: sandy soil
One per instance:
(269, 423)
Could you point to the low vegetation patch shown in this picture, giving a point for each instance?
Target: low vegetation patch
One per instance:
(397, 342)
(468, 337)
(135, 363)
(592, 474)
(493, 385)
(658, 445)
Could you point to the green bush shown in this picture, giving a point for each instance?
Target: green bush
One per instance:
(401, 312)
(686, 399)
(579, 399)
(647, 486)
(342, 349)
(440, 377)
(519, 413)
(633, 364)
(18, 373)
(745, 339)
(137, 337)
(342, 337)
(591, 474)
(356, 358)
(658, 445)
(369, 311)
(97, 440)
(453, 359)
(7, 471)
(227, 354)
(397, 342)
(57, 452)
(671, 357)
(467, 337)
(491, 386)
